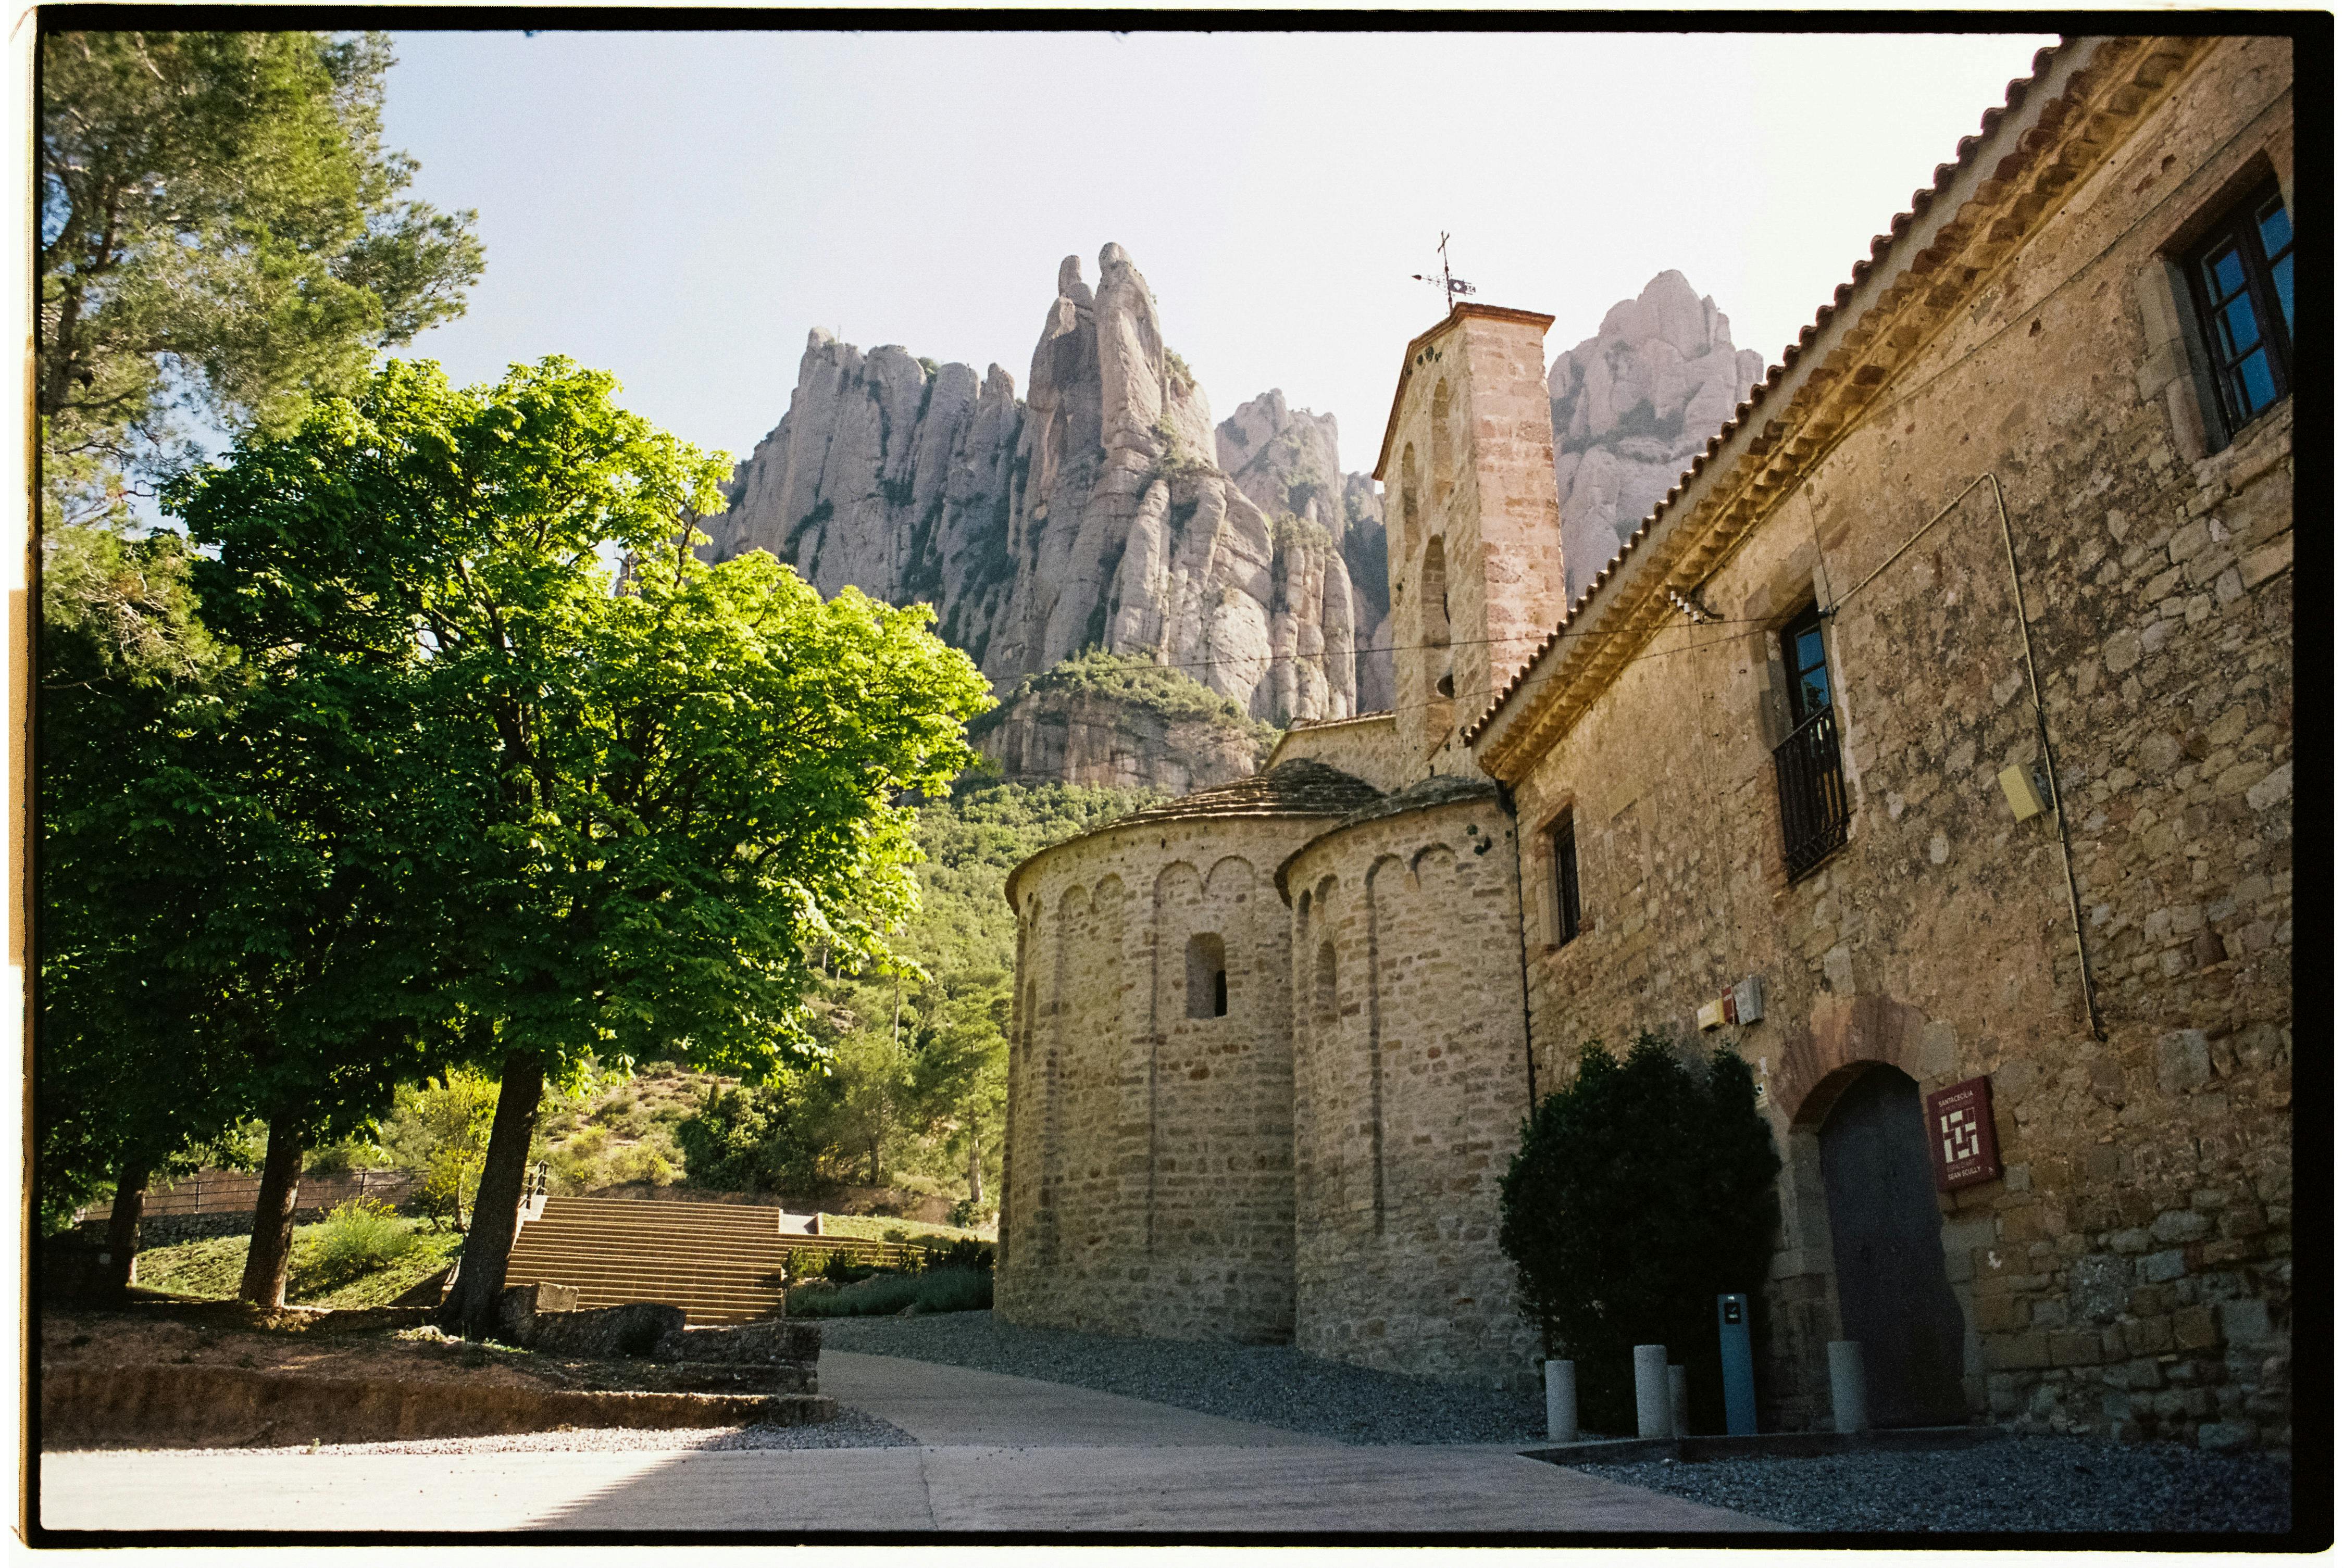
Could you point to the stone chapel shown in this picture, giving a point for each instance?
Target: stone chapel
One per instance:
(1930, 745)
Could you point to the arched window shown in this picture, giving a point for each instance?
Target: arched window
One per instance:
(1209, 977)
(1444, 459)
(1435, 600)
(1407, 510)
(1323, 1001)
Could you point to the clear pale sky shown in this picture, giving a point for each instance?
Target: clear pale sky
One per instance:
(682, 207)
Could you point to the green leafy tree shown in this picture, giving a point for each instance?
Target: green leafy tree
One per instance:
(243, 898)
(760, 1138)
(124, 1076)
(439, 1128)
(1641, 1192)
(665, 798)
(223, 234)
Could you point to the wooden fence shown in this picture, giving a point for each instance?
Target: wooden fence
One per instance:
(232, 1192)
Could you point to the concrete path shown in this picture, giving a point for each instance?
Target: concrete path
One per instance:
(999, 1454)
(958, 1407)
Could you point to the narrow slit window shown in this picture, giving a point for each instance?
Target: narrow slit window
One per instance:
(1566, 880)
(1209, 977)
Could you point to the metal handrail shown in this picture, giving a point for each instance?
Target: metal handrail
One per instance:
(1814, 793)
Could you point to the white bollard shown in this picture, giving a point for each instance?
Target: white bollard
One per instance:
(1653, 1391)
(1563, 1402)
(1847, 1386)
(1680, 1413)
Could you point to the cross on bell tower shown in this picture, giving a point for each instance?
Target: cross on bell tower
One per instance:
(1450, 288)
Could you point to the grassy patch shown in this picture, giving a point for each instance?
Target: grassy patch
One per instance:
(880, 1228)
(884, 1295)
(213, 1268)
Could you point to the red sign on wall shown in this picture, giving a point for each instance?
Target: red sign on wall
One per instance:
(1962, 1149)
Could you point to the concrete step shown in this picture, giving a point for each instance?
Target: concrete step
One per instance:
(711, 1260)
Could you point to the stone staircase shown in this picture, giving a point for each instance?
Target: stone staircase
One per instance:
(721, 1262)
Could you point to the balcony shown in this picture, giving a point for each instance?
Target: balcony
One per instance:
(1813, 794)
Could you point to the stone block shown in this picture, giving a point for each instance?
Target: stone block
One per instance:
(728, 1377)
(2131, 1241)
(1999, 1313)
(2226, 1437)
(2244, 1322)
(2157, 1268)
(2011, 1351)
(2181, 1225)
(2148, 1336)
(2098, 1285)
(519, 1305)
(2182, 1061)
(2196, 1329)
(608, 1332)
(2072, 1349)
(773, 1342)
(2261, 566)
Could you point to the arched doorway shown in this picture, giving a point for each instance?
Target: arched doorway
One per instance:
(1893, 1295)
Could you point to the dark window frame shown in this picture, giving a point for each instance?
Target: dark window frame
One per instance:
(2240, 231)
(1810, 780)
(1568, 921)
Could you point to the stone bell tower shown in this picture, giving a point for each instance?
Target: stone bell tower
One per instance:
(1476, 538)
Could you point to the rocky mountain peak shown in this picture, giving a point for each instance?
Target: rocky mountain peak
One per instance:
(1631, 405)
(1094, 514)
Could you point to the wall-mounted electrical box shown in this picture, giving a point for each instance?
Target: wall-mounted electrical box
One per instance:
(2024, 788)
(1745, 1002)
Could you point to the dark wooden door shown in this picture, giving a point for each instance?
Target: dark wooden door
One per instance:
(1893, 1295)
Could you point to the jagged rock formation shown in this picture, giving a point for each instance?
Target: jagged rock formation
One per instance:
(1286, 461)
(1091, 515)
(1631, 406)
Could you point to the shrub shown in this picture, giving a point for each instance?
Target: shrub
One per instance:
(885, 1294)
(359, 1237)
(965, 1254)
(842, 1267)
(450, 1177)
(1641, 1192)
(755, 1140)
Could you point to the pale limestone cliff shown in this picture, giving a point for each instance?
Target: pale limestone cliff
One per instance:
(1090, 515)
(1632, 404)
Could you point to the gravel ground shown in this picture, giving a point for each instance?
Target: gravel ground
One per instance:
(1272, 1385)
(2032, 1484)
(853, 1429)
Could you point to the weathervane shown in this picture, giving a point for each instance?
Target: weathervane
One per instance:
(1450, 288)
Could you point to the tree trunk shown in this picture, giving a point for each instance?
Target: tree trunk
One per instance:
(976, 1168)
(875, 1163)
(270, 1256)
(122, 1226)
(471, 1307)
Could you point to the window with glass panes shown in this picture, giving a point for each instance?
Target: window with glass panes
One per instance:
(1566, 880)
(1807, 776)
(2244, 276)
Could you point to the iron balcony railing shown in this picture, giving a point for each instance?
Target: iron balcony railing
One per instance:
(1814, 793)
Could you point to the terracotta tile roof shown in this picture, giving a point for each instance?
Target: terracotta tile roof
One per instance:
(1778, 376)
(1297, 788)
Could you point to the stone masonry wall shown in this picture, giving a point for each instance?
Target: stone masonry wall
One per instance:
(1411, 1086)
(1150, 1188)
(2131, 1272)
(1368, 747)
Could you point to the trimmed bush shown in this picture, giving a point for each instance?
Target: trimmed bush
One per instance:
(887, 1294)
(1641, 1192)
